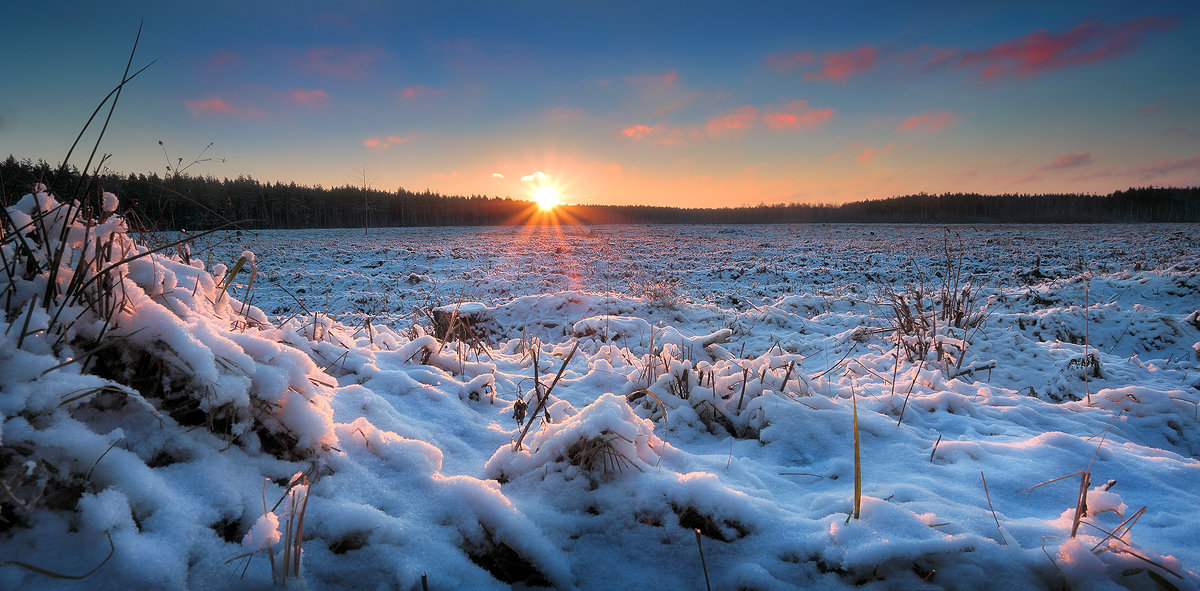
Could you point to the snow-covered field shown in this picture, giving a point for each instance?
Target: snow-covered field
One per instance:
(704, 388)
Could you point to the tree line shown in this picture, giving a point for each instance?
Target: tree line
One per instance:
(181, 201)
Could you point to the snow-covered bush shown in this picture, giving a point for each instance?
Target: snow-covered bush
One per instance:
(90, 311)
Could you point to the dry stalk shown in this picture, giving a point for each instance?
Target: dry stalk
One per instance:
(543, 398)
(989, 501)
(702, 563)
(1081, 502)
(49, 573)
(857, 461)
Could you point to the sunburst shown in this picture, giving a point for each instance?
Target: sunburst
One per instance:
(546, 197)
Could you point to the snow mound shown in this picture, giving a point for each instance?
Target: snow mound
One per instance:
(603, 439)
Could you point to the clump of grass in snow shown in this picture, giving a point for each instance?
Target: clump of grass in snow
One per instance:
(657, 292)
(600, 454)
(939, 319)
(264, 535)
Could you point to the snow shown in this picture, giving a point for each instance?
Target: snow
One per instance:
(712, 390)
(264, 534)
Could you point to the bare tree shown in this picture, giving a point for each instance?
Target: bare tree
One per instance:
(364, 178)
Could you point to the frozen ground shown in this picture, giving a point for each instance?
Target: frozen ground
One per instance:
(701, 379)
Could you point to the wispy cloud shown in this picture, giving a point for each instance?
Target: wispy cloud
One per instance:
(740, 118)
(341, 62)
(1168, 166)
(1069, 161)
(310, 98)
(416, 92)
(215, 105)
(212, 104)
(497, 175)
(1030, 55)
(677, 103)
(653, 84)
(929, 121)
(787, 60)
(537, 176)
(386, 142)
(1156, 107)
(220, 61)
(839, 66)
(638, 132)
(870, 154)
(797, 115)
(1043, 51)
(1181, 171)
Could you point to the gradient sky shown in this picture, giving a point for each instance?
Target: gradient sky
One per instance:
(665, 103)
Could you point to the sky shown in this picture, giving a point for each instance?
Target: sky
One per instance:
(692, 104)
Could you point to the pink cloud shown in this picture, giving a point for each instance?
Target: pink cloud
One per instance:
(872, 153)
(1043, 51)
(413, 92)
(840, 66)
(221, 60)
(387, 142)
(1168, 166)
(929, 121)
(638, 132)
(677, 104)
(798, 115)
(342, 62)
(928, 57)
(215, 105)
(313, 99)
(654, 83)
(1157, 107)
(1069, 161)
(739, 118)
(786, 60)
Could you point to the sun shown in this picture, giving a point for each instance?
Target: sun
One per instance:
(546, 197)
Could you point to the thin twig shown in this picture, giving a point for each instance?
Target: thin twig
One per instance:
(49, 573)
(544, 397)
(992, 509)
(702, 564)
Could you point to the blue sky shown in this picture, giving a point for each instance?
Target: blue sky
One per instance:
(675, 103)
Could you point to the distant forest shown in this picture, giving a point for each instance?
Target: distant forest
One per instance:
(202, 202)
